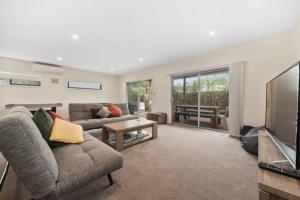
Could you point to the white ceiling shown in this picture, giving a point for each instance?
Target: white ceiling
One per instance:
(116, 33)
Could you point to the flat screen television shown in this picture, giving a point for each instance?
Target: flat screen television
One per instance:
(282, 113)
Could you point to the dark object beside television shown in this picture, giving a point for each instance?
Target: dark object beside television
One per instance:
(249, 139)
(245, 130)
(282, 113)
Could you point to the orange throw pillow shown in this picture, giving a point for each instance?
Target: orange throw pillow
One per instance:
(115, 111)
(56, 115)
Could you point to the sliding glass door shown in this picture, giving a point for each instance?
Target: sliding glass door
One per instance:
(214, 100)
(185, 99)
(201, 99)
(139, 96)
(133, 97)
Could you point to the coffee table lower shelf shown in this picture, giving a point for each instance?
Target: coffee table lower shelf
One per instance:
(131, 142)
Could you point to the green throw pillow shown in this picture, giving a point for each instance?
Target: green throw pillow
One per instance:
(44, 122)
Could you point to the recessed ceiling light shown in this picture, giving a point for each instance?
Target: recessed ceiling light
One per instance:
(59, 58)
(112, 69)
(75, 37)
(212, 33)
(141, 59)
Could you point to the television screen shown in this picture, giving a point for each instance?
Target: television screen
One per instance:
(282, 112)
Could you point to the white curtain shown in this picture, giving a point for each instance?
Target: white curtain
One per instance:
(236, 97)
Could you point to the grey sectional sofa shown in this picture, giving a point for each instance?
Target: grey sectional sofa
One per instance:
(81, 113)
(52, 173)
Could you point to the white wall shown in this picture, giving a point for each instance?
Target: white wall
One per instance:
(265, 57)
(296, 41)
(49, 92)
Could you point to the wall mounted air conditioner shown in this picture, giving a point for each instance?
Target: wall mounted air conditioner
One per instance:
(47, 68)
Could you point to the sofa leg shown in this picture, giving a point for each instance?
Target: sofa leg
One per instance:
(111, 182)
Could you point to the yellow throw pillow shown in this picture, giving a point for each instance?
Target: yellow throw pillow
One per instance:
(67, 132)
(105, 108)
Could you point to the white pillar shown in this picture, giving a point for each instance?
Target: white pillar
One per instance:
(236, 97)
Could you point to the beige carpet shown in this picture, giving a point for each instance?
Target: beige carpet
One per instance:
(183, 163)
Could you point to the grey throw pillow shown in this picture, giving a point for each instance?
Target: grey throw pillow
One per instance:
(103, 113)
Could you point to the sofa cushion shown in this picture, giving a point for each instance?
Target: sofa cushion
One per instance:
(97, 123)
(102, 113)
(123, 107)
(88, 124)
(55, 115)
(45, 123)
(66, 132)
(115, 111)
(80, 164)
(22, 144)
(118, 119)
(97, 132)
(81, 111)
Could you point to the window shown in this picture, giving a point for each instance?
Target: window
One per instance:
(84, 85)
(139, 96)
(9, 78)
(24, 82)
(201, 99)
(4, 81)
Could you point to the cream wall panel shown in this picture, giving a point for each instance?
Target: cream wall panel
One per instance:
(49, 92)
(265, 57)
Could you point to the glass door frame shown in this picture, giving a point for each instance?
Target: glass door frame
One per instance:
(139, 92)
(199, 74)
(184, 76)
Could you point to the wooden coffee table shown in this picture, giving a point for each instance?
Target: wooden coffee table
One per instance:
(119, 128)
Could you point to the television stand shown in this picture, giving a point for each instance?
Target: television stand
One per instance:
(274, 186)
